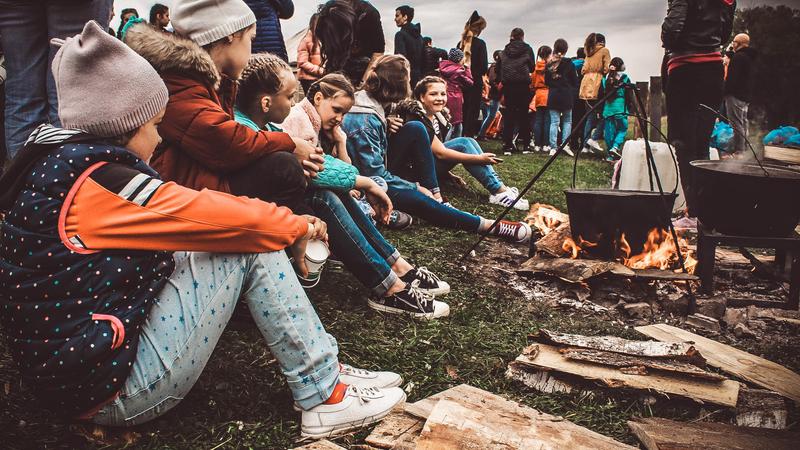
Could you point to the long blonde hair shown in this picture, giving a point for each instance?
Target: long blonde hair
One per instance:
(474, 26)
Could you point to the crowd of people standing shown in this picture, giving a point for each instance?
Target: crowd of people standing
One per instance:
(134, 223)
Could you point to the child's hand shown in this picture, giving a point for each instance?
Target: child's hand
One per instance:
(310, 157)
(394, 123)
(379, 201)
(356, 194)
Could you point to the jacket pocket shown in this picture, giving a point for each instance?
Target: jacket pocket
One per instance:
(116, 327)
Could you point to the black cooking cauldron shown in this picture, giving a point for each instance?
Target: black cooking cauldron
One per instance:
(739, 198)
(602, 215)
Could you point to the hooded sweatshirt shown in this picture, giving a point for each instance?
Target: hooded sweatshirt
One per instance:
(408, 42)
(516, 63)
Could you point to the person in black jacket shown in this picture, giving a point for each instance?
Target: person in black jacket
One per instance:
(562, 84)
(269, 37)
(408, 41)
(692, 35)
(477, 58)
(515, 66)
(432, 57)
(739, 86)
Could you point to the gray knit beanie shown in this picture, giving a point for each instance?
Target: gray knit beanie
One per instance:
(103, 86)
(207, 21)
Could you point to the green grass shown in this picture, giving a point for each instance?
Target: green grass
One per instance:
(241, 400)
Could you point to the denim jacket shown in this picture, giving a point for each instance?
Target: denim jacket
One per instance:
(367, 141)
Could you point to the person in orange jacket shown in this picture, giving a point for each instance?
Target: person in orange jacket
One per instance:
(541, 117)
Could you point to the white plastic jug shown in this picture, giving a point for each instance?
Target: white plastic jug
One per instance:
(633, 173)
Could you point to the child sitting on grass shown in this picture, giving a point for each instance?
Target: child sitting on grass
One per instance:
(267, 86)
(374, 153)
(110, 309)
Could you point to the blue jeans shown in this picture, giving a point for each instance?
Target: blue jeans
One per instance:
(419, 204)
(189, 315)
(541, 126)
(355, 240)
(564, 118)
(491, 113)
(485, 174)
(616, 127)
(593, 122)
(26, 27)
(409, 155)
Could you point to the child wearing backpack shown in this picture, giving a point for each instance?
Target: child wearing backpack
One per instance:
(615, 110)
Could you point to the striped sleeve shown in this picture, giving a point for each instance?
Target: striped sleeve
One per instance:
(118, 207)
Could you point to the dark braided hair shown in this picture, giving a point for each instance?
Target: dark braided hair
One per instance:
(262, 76)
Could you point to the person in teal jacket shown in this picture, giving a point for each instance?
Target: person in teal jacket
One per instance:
(615, 111)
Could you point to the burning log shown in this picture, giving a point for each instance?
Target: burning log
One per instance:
(553, 242)
(573, 270)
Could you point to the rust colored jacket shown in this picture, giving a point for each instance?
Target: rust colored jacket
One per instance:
(203, 144)
(538, 86)
(595, 68)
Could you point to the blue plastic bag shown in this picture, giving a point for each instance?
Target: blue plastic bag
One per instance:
(780, 135)
(722, 137)
(793, 141)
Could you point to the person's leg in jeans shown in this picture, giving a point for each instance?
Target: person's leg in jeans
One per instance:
(591, 121)
(566, 124)
(485, 174)
(555, 121)
(411, 145)
(494, 106)
(23, 36)
(189, 315)
(66, 18)
(737, 113)
(276, 178)
(419, 204)
(355, 240)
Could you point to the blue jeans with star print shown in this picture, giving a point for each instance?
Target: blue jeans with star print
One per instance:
(189, 316)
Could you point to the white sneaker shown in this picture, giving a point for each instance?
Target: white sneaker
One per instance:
(592, 144)
(354, 408)
(507, 197)
(568, 151)
(363, 378)
(535, 148)
(550, 151)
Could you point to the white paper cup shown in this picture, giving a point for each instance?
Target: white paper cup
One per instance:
(317, 253)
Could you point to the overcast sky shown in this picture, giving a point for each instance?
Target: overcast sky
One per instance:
(632, 27)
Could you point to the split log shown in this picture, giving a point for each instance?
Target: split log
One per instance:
(468, 417)
(733, 361)
(553, 242)
(721, 393)
(761, 409)
(573, 270)
(619, 345)
(396, 431)
(545, 213)
(663, 434)
(320, 445)
(627, 361)
(539, 380)
(667, 275)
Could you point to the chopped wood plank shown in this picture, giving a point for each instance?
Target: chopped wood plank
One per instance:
(657, 274)
(783, 154)
(620, 360)
(761, 408)
(320, 445)
(617, 344)
(490, 421)
(397, 431)
(540, 380)
(733, 361)
(721, 393)
(573, 270)
(663, 434)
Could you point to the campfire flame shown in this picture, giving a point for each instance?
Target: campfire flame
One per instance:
(660, 250)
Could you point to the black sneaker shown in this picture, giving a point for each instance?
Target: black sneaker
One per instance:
(428, 281)
(398, 220)
(519, 232)
(412, 302)
(508, 149)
